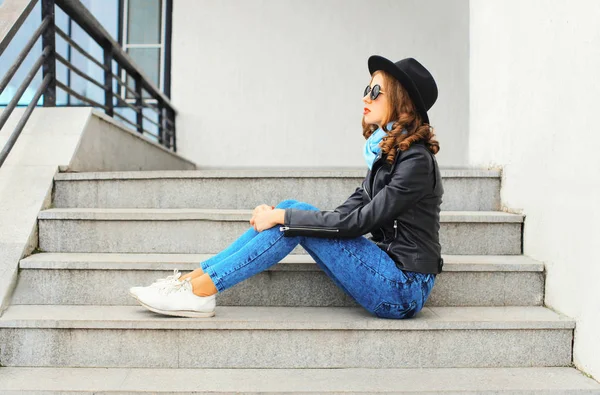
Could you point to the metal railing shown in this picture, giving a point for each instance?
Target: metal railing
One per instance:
(15, 14)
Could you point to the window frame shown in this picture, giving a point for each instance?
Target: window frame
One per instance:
(164, 48)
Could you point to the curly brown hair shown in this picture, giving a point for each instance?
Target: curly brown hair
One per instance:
(402, 110)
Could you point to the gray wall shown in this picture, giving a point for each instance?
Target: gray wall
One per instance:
(279, 82)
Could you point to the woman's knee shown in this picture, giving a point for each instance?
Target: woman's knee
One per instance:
(286, 203)
(397, 310)
(304, 206)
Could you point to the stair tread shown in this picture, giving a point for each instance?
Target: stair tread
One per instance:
(321, 172)
(235, 214)
(348, 380)
(284, 318)
(166, 261)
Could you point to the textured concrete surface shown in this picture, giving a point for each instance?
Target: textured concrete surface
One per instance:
(466, 189)
(295, 281)
(481, 238)
(448, 381)
(283, 337)
(210, 231)
(284, 349)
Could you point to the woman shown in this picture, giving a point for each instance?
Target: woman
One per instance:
(390, 274)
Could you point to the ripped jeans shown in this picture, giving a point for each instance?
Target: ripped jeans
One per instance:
(356, 265)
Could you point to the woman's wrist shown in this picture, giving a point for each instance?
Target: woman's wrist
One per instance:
(279, 216)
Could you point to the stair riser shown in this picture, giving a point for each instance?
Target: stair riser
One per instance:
(226, 348)
(207, 236)
(461, 194)
(272, 288)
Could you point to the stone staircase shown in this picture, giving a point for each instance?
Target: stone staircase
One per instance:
(73, 327)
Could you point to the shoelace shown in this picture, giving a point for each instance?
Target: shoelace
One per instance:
(179, 286)
(162, 282)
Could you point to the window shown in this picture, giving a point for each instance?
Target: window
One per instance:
(145, 41)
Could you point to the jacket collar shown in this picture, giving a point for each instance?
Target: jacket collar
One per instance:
(378, 160)
(380, 157)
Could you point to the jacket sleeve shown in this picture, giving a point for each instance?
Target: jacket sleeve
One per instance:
(410, 182)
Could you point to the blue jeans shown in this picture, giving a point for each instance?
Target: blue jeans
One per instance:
(357, 266)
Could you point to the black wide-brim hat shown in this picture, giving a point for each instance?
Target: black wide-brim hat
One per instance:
(414, 77)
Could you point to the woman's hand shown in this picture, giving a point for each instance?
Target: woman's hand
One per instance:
(263, 220)
(259, 209)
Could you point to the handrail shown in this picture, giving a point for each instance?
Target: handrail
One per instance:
(13, 14)
(86, 20)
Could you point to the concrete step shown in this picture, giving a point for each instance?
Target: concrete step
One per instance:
(209, 231)
(284, 337)
(104, 279)
(542, 381)
(468, 189)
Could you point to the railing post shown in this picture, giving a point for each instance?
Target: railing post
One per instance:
(138, 103)
(161, 123)
(173, 130)
(168, 133)
(49, 67)
(108, 81)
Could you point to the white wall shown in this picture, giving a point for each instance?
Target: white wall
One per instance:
(534, 108)
(279, 82)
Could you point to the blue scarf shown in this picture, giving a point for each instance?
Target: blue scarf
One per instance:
(372, 148)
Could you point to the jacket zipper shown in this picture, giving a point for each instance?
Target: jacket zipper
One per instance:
(367, 190)
(282, 228)
(395, 234)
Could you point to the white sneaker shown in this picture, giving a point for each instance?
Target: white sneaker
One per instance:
(169, 281)
(178, 300)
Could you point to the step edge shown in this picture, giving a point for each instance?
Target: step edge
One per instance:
(99, 261)
(453, 379)
(24, 316)
(176, 214)
(258, 173)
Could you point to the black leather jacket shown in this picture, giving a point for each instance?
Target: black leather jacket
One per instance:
(398, 204)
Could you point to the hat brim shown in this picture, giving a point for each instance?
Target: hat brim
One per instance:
(377, 62)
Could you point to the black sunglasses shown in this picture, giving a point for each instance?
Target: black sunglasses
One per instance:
(375, 91)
